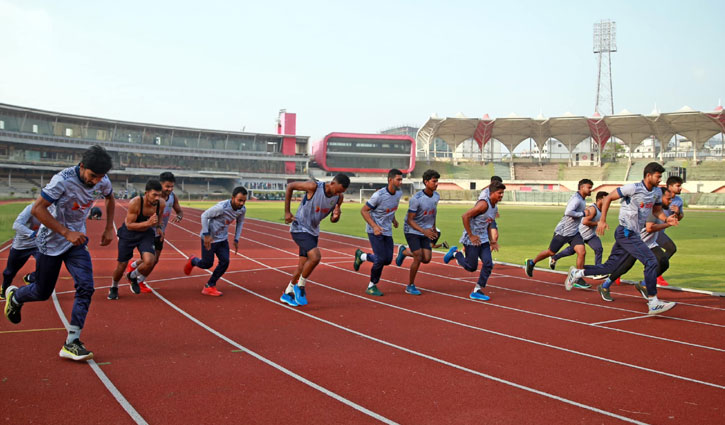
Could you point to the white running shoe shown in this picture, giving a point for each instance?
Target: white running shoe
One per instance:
(658, 306)
(570, 278)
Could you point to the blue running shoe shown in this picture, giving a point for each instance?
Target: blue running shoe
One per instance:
(288, 299)
(300, 295)
(529, 266)
(449, 255)
(399, 259)
(412, 290)
(479, 295)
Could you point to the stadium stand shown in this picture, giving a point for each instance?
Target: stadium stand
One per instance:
(529, 172)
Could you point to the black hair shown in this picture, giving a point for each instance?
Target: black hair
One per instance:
(153, 184)
(585, 181)
(653, 167)
(97, 160)
(674, 180)
(394, 172)
(601, 194)
(167, 176)
(431, 174)
(496, 186)
(237, 190)
(342, 179)
(496, 179)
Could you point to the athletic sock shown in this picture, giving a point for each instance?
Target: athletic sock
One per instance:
(607, 283)
(370, 285)
(136, 263)
(139, 277)
(114, 283)
(478, 288)
(133, 274)
(653, 299)
(579, 273)
(302, 282)
(363, 257)
(290, 288)
(74, 332)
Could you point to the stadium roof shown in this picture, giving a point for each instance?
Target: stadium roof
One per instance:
(629, 128)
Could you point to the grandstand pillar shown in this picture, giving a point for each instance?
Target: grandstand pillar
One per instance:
(287, 126)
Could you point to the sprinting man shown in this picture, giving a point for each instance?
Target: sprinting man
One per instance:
(567, 231)
(26, 228)
(379, 214)
(167, 180)
(639, 200)
(320, 200)
(215, 238)
(671, 204)
(484, 194)
(95, 214)
(138, 231)
(62, 209)
(587, 230)
(649, 236)
(420, 228)
(476, 239)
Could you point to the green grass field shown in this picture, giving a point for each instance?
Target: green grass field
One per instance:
(525, 231)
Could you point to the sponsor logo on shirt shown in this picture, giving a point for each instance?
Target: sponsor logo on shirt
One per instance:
(77, 206)
(389, 210)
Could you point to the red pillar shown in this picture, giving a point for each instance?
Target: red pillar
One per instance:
(287, 125)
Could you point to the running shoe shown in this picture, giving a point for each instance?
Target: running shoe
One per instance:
(188, 266)
(450, 254)
(289, 299)
(2, 291)
(211, 291)
(642, 290)
(401, 256)
(661, 281)
(300, 295)
(75, 351)
(412, 290)
(12, 310)
(582, 284)
(445, 245)
(657, 307)
(144, 288)
(552, 263)
(358, 259)
(112, 293)
(373, 290)
(134, 284)
(29, 278)
(604, 292)
(529, 264)
(130, 267)
(569, 281)
(479, 295)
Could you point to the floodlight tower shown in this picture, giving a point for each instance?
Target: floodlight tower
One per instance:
(605, 43)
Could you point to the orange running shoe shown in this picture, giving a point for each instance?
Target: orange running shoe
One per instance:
(661, 281)
(188, 266)
(130, 267)
(211, 291)
(618, 282)
(144, 289)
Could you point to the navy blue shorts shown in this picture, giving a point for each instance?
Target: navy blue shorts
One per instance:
(144, 242)
(558, 241)
(416, 242)
(305, 241)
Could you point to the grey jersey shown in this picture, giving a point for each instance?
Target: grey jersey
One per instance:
(650, 239)
(167, 211)
(425, 208)
(636, 205)
(479, 224)
(383, 205)
(676, 201)
(71, 202)
(26, 228)
(569, 224)
(586, 231)
(216, 220)
(312, 211)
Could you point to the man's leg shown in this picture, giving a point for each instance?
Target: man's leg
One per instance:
(596, 245)
(221, 249)
(667, 244)
(46, 276)
(469, 261)
(207, 257)
(16, 260)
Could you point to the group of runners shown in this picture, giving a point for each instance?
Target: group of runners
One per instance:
(53, 230)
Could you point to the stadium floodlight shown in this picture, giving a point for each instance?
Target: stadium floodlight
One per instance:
(605, 43)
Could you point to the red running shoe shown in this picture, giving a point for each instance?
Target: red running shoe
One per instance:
(130, 267)
(661, 281)
(618, 282)
(211, 291)
(144, 289)
(188, 266)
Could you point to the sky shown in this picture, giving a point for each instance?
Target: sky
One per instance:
(352, 66)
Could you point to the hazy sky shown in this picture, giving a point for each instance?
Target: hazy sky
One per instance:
(352, 66)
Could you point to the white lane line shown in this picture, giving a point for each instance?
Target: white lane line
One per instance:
(264, 359)
(102, 376)
(423, 355)
(620, 320)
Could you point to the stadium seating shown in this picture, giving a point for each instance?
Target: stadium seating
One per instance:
(531, 172)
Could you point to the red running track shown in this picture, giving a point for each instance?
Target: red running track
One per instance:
(533, 354)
